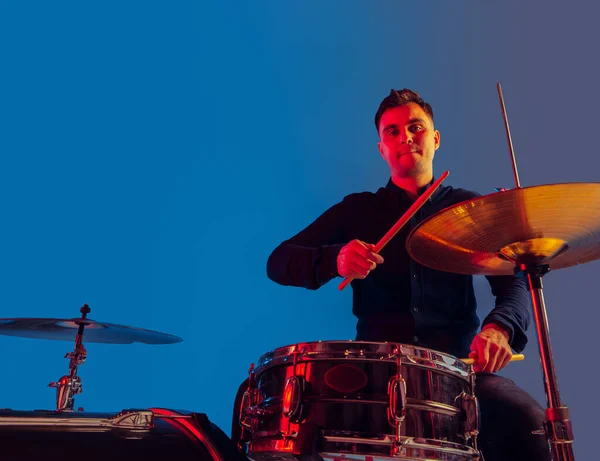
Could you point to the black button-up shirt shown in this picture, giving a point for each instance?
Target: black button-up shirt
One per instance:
(401, 300)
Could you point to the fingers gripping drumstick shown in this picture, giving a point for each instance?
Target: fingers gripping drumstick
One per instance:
(402, 221)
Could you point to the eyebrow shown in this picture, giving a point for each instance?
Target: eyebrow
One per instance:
(410, 122)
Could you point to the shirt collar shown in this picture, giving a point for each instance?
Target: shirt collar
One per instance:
(400, 194)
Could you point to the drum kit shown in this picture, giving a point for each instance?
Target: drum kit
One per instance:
(379, 401)
(340, 400)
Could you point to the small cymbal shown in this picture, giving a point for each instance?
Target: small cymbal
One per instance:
(557, 225)
(94, 332)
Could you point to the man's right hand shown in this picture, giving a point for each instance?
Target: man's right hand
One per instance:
(357, 259)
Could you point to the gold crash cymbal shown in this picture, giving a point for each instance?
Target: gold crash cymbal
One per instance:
(556, 225)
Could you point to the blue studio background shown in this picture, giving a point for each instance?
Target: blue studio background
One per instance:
(154, 153)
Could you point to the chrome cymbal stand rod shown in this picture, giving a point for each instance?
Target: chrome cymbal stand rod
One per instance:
(69, 386)
(557, 427)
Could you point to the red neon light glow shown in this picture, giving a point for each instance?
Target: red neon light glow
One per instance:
(288, 394)
(189, 426)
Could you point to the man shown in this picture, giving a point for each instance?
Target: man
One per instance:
(397, 300)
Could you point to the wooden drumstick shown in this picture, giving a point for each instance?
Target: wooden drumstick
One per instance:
(514, 358)
(402, 221)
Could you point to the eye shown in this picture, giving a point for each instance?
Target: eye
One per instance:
(393, 132)
(415, 128)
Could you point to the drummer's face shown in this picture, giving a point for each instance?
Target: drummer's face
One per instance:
(408, 140)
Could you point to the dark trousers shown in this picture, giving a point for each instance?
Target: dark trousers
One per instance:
(508, 417)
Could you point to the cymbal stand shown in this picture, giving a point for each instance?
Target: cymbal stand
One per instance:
(69, 385)
(558, 428)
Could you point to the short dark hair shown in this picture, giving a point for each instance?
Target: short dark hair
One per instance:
(398, 98)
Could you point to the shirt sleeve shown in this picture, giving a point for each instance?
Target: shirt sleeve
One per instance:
(309, 259)
(512, 307)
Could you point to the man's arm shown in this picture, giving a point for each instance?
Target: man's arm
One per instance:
(505, 326)
(512, 308)
(309, 258)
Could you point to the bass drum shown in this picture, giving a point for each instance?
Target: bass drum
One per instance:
(132, 434)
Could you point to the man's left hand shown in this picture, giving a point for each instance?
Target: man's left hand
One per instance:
(490, 349)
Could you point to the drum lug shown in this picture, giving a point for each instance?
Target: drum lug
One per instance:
(244, 416)
(470, 407)
(248, 413)
(251, 411)
(293, 395)
(397, 399)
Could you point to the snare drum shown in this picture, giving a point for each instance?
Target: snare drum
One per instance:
(359, 400)
(130, 435)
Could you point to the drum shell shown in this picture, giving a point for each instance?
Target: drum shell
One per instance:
(358, 409)
(48, 435)
(366, 411)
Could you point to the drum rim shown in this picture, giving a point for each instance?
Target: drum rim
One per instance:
(362, 446)
(385, 350)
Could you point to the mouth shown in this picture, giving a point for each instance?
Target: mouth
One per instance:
(410, 152)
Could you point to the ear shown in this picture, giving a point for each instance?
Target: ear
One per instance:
(380, 150)
(436, 139)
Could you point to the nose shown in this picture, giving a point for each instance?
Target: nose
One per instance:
(406, 137)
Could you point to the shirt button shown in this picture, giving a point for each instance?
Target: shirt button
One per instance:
(416, 309)
(415, 276)
(416, 338)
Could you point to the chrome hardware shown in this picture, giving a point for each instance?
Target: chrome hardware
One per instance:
(470, 407)
(397, 399)
(67, 388)
(139, 420)
(133, 419)
(256, 411)
(559, 433)
(292, 398)
(69, 385)
(250, 409)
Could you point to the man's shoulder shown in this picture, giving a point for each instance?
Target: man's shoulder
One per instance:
(366, 196)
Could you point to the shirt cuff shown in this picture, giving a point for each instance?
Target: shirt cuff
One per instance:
(328, 262)
(516, 341)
